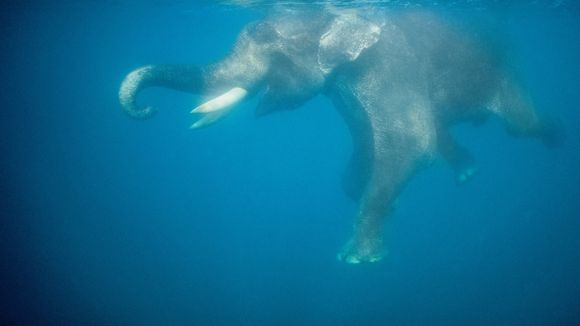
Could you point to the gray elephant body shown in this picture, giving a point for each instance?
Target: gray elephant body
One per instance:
(400, 80)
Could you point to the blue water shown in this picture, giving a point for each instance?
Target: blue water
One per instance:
(110, 221)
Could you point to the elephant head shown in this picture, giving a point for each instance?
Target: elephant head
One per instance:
(287, 59)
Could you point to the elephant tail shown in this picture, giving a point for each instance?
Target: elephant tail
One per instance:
(185, 78)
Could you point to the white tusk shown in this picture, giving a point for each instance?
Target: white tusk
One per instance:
(223, 101)
(208, 119)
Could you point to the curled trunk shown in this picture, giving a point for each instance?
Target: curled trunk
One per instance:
(186, 78)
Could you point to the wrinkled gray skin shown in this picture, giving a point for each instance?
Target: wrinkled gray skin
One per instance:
(400, 80)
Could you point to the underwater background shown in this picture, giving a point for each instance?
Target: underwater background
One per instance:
(110, 221)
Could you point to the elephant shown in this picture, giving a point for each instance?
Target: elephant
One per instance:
(399, 79)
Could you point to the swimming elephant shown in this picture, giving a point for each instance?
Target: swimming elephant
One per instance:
(400, 80)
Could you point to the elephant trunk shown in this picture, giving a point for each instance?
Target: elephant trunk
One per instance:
(186, 78)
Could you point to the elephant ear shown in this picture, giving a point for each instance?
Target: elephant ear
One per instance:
(347, 37)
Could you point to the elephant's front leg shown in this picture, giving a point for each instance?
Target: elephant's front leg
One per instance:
(366, 243)
(390, 172)
(458, 158)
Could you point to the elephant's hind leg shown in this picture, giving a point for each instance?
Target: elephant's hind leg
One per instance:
(520, 117)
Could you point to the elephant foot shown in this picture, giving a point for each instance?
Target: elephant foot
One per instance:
(466, 173)
(464, 166)
(365, 250)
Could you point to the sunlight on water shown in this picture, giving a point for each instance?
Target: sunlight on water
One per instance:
(468, 4)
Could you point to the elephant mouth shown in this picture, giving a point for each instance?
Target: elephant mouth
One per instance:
(218, 107)
(273, 98)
